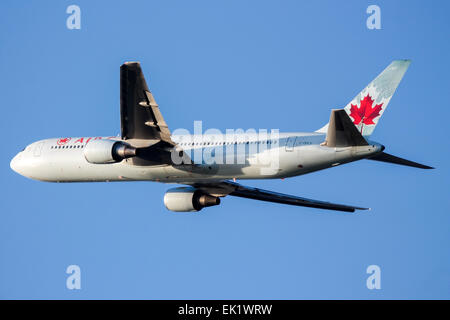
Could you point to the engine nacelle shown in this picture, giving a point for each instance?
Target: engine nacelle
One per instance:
(187, 199)
(107, 151)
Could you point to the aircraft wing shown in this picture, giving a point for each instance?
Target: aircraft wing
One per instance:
(223, 188)
(139, 113)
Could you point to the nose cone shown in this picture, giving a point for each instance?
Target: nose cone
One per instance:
(15, 163)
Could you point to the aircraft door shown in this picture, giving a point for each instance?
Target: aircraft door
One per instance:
(290, 144)
(38, 149)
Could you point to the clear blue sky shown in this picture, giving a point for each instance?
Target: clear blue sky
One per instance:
(231, 64)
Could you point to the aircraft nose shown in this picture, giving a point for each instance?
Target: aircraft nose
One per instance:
(15, 163)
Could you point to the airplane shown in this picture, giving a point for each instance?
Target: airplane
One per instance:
(146, 150)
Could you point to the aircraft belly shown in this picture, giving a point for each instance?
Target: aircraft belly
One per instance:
(213, 172)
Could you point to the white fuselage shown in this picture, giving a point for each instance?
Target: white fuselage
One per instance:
(290, 154)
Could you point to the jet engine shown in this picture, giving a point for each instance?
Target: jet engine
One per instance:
(107, 151)
(187, 199)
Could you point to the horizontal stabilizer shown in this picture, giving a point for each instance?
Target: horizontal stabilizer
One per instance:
(386, 157)
(341, 131)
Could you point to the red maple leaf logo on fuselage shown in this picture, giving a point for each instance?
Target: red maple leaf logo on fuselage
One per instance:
(62, 141)
(365, 114)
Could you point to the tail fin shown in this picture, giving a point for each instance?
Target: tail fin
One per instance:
(366, 109)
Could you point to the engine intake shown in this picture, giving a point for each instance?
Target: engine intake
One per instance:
(107, 151)
(188, 199)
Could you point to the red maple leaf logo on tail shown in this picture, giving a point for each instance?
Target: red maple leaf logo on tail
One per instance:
(365, 113)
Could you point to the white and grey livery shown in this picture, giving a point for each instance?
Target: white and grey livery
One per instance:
(209, 165)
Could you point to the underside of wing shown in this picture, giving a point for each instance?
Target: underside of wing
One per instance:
(224, 188)
(139, 113)
(142, 123)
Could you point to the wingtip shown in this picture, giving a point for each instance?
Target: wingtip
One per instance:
(424, 166)
(131, 63)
